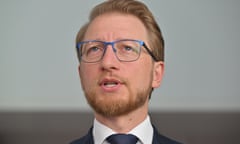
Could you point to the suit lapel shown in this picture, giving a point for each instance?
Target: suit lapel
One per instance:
(160, 139)
(155, 136)
(89, 137)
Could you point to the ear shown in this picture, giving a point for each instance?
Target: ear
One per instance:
(158, 71)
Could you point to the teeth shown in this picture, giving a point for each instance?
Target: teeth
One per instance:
(110, 84)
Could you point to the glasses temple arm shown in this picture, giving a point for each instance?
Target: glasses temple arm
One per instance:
(150, 52)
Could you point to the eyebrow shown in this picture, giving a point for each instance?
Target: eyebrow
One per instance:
(117, 39)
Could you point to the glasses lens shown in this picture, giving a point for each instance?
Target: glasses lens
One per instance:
(127, 50)
(92, 51)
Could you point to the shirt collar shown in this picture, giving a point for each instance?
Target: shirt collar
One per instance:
(100, 132)
(144, 131)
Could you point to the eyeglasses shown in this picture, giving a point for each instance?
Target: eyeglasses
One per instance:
(126, 50)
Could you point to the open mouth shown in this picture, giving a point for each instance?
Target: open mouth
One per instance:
(110, 84)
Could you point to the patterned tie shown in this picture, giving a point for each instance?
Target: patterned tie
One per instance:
(122, 139)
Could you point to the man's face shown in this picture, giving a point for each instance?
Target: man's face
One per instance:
(113, 87)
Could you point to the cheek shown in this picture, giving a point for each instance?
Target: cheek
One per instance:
(142, 76)
(144, 79)
(87, 76)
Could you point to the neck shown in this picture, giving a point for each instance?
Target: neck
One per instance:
(124, 123)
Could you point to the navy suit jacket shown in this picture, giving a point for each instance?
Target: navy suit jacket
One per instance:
(157, 139)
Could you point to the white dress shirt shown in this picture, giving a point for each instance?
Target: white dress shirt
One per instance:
(144, 132)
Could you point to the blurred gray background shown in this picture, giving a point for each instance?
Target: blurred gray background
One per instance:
(38, 64)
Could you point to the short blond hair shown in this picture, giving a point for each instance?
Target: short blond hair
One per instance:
(135, 8)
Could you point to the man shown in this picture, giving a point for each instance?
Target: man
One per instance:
(120, 51)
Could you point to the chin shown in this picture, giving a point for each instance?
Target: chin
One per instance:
(115, 107)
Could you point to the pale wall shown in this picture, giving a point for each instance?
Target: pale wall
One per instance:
(38, 64)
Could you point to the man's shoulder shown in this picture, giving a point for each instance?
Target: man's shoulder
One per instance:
(87, 139)
(161, 139)
(83, 140)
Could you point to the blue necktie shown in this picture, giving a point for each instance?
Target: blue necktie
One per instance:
(122, 139)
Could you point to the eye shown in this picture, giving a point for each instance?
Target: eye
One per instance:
(128, 48)
(94, 49)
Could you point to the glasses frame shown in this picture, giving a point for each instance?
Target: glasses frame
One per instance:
(112, 43)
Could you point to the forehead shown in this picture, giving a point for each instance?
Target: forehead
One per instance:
(114, 26)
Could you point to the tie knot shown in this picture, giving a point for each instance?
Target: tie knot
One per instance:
(122, 139)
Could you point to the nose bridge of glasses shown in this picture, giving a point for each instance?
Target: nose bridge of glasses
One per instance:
(112, 44)
(109, 51)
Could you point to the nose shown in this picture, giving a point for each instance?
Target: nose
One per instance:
(109, 60)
